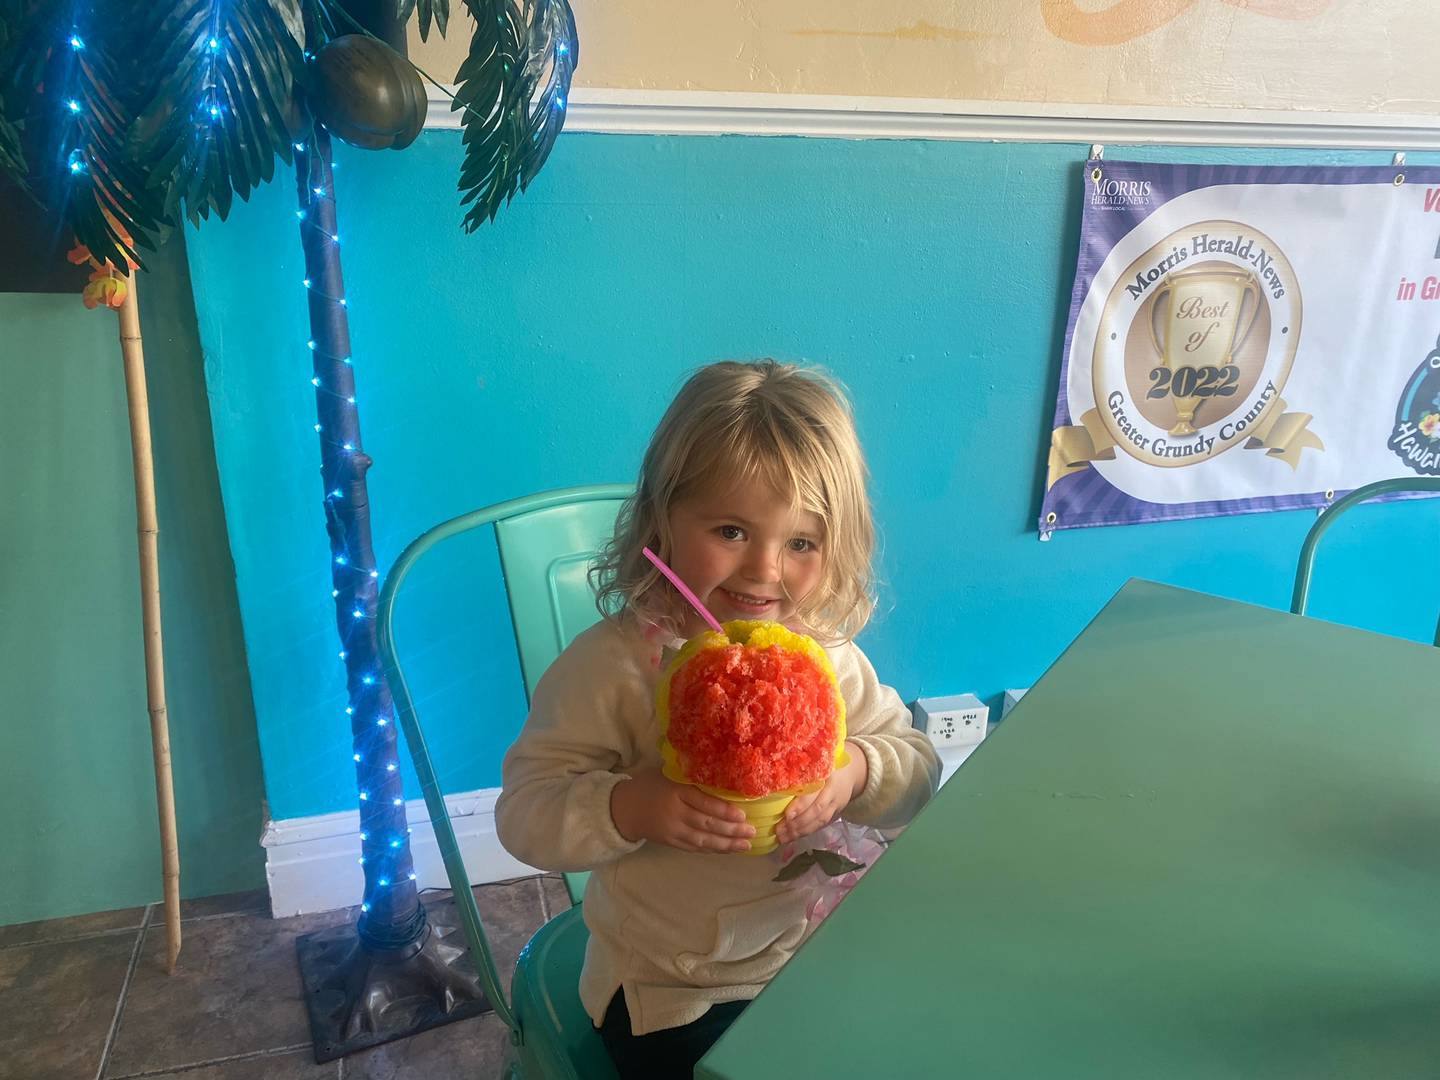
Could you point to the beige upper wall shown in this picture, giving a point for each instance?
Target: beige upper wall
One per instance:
(1350, 56)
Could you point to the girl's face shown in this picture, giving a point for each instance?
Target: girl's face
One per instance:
(746, 554)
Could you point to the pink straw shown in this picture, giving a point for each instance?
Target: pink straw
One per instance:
(684, 590)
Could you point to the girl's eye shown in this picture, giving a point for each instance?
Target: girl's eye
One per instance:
(731, 532)
(800, 544)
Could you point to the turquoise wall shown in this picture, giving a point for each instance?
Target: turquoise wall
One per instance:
(79, 789)
(932, 277)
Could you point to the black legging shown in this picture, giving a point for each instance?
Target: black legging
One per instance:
(668, 1054)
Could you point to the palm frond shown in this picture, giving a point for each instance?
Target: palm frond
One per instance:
(321, 22)
(554, 52)
(73, 92)
(221, 105)
(438, 10)
(12, 155)
(512, 89)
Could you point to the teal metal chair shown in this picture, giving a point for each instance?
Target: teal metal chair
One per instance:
(546, 545)
(1301, 597)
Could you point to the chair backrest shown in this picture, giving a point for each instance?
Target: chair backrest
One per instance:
(1301, 596)
(546, 543)
(546, 554)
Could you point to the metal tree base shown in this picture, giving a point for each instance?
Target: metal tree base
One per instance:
(359, 997)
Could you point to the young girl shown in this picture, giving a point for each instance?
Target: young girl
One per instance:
(753, 490)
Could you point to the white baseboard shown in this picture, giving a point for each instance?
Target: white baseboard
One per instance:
(311, 862)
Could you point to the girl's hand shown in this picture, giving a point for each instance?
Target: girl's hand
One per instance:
(650, 807)
(816, 810)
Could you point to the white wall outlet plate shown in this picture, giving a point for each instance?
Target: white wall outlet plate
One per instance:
(958, 720)
(1012, 698)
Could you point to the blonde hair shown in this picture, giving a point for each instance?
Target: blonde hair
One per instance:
(744, 422)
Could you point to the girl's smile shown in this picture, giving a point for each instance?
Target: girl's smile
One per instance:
(757, 606)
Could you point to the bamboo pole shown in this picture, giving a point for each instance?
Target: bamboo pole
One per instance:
(148, 526)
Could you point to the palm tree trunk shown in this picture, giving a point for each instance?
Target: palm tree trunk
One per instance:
(392, 906)
(396, 952)
(148, 526)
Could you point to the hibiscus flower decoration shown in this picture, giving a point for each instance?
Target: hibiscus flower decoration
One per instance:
(107, 285)
(1430, 425)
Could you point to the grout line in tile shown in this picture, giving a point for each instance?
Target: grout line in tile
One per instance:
(109, 1046)
(158, 909)
(191, 1066)
(225, 915)
(92, 935)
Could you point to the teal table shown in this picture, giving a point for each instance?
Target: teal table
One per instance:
(1206, 845)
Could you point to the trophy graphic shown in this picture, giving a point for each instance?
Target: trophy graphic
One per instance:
(1200, 327)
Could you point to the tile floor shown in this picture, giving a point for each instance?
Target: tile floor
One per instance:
(87, 998)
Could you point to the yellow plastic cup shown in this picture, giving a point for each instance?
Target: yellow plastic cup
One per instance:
(763, 814)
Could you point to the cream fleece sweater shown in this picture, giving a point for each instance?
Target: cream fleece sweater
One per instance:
(678, 931)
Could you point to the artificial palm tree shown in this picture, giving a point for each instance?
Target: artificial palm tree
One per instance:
(121, 126)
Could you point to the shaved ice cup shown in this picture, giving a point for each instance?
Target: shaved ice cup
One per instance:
(763, 811)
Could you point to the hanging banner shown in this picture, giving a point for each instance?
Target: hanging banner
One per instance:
(1246, 338)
